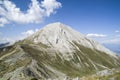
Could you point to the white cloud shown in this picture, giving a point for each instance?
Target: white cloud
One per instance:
(96, 35)
(3, 21)
(7, 39)
(20, 37)
(35, 14)
(36, 30)
(29, 32)
(112, 41)
(50, 5)
(117, 31)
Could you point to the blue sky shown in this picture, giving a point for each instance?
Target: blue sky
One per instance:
(97, 19)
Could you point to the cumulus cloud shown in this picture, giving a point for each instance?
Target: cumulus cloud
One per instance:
(50, 5)
(3, 21)
(35, 14)
(29, 32)
(96, 35)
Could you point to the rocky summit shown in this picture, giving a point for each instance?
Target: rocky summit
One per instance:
(57, 52)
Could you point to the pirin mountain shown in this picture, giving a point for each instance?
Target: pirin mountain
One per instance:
(57, 52)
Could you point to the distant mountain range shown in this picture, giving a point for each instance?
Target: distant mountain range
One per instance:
(4, 44)
(57, 52)
(113, 47)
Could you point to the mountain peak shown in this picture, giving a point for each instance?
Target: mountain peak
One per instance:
(56, 35)
(55, 25)
(63, 38)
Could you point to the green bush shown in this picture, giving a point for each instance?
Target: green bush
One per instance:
(34, 79)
